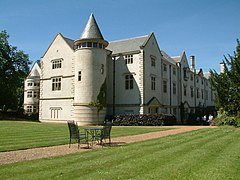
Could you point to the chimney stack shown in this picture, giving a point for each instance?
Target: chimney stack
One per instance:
(222, 68)
(192, 63)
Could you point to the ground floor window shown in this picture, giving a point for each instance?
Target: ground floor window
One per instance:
(55, 112)
(29, 109)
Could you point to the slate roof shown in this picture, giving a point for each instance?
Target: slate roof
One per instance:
(127, 45)
(91, 30)
(167, 57)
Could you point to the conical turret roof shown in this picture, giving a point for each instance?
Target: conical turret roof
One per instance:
(91, 30)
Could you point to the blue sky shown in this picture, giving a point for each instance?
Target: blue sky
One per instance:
(207, 29)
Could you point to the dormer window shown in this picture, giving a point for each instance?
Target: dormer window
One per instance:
(56, 63)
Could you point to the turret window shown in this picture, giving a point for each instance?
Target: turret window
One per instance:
(94, 44)
(79, 75)
(89, 44)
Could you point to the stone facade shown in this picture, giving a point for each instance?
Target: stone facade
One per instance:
(130, 76)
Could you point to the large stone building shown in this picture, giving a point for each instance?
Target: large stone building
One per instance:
(130, 76)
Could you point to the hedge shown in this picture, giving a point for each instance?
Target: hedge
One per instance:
(143, 120)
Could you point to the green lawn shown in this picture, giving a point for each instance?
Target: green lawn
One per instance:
(23, 135)
(202, 154)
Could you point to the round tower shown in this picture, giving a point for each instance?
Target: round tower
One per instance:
(90, 68)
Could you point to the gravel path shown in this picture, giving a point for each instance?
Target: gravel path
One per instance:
(38, 153)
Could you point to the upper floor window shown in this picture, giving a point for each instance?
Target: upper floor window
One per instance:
(174, 88)
(174, 71)
(164, 67)
(36, 84)
(128, 59)
(165, 86)
(192, 92)
(153, 83)
(30, 84)
(29, 94)
(102, 69)
(191, 77)
(129, 81)
(56, 84)
(79, 75)
(198, 93)
(57, 63)
(185, 90)
(153, 61)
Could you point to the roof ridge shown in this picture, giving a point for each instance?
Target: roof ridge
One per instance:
(137, 37)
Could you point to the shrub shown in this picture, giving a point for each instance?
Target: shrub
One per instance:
(143, 120)
(223, 119)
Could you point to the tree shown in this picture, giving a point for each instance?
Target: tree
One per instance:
(14, 67)
(227, 84)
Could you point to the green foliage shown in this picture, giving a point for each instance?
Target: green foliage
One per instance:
(227, 84)
(224, 119)
(202, 154)
(13, 70)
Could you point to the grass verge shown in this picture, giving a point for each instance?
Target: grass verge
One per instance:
(202, 154)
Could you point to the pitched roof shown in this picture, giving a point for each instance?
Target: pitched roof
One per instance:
(70, 42)
(91, 30)
(127, 45)
(168, 58)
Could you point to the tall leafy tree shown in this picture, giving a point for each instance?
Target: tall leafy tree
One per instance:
(227, 84)
(14, 67)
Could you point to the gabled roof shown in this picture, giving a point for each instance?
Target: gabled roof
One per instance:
(168, 58)
(91, 30)
(69, 42)
(178, 59)
(127, 45)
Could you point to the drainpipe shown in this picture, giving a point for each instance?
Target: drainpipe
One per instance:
(170, 84)
(114, 83)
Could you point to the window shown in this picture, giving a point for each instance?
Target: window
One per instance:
(84, 44)
(29, 94)
(174, 71)
(202, 94)
(57, 63)
(174, 88)
(56, 84)
(100, 45)
(94, 44)
(36, 84)
(164, 67)
(165, 86)
(198, 95)
(29, 109)
(153, 61)
(55, 112)
(79, 75)
(191, 89)
(30, 84)
(128, 59)
(153, 83)
(34, 109)
(35, 94)
(129, 81)
(89, 44)
(184, 90)
(102, 69)
(206, 94)
(191, 76)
